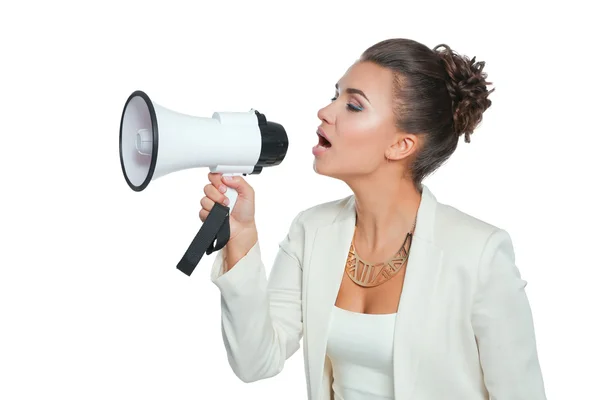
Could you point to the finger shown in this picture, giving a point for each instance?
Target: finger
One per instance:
(214, 194)
(207, 204)
(238, 183)
(215, 178)
(203, 215)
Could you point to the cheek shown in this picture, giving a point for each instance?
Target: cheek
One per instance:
(361, 136)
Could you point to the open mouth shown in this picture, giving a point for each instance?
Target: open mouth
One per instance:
(323, 142)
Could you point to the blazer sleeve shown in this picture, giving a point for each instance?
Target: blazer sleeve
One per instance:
(261, 318)
(503, 325)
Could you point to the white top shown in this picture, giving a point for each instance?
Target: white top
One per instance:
(360, 348)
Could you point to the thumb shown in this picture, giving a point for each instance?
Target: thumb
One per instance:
(238, 183)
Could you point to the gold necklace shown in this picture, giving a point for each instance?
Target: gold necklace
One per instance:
(364, 274)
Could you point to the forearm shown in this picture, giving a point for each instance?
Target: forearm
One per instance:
(261, 322)
(254, 344)
(261, 317)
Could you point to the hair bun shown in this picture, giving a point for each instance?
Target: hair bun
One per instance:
(467, 86)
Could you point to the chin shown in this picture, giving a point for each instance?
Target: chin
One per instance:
(317, 167)
(321, 169)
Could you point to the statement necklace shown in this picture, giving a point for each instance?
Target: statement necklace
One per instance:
(370, 275)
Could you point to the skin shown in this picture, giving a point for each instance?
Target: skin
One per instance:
(371, 156)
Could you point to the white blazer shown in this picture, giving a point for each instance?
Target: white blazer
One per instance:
(463, 331)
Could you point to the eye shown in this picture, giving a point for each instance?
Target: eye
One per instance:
(350, 106)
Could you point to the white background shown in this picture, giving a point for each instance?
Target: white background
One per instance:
(91, 305)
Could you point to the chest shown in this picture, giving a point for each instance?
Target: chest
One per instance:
(382, 298)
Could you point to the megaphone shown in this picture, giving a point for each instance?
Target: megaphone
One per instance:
(155, 141)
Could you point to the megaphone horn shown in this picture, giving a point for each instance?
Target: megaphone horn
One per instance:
(155, 141)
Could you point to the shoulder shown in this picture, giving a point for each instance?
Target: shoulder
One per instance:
(450, 218)
(310, 219)
(459, 232)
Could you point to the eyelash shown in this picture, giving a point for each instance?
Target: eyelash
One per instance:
(351, 107)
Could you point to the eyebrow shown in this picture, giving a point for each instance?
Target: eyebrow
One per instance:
(353, 91)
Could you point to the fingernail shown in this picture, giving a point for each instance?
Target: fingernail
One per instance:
(227, 178)
(222, 188)
(226, 201)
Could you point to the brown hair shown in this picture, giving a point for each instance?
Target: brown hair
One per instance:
(438, 93)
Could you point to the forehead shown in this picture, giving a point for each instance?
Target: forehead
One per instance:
(375, 81)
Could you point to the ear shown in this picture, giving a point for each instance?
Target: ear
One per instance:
(404, 145)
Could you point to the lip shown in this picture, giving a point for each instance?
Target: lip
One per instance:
(320, 132)
(318, 150)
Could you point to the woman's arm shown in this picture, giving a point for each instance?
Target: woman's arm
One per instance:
(261, 318)
(503, 325)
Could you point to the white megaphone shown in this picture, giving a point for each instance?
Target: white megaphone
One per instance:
(155, 141)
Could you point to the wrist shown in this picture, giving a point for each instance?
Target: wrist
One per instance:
(246, 235)
(238, 246)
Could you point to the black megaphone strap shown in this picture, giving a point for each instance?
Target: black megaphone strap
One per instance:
(216, 226)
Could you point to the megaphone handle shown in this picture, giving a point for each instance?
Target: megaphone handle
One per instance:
(231, 193)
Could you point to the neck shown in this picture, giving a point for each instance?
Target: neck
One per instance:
(385, 210)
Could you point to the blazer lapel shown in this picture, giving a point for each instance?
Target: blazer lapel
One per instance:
(422, 272)
(326, 268)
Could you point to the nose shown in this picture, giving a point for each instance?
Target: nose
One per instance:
(325, 114)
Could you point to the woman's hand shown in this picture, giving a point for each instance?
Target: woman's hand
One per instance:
(241, 218)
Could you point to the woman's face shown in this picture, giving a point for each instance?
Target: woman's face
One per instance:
(358, 124)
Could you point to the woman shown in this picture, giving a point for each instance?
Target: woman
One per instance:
(395, 295)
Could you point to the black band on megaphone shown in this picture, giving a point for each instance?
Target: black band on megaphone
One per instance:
(216, 226)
